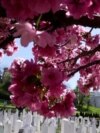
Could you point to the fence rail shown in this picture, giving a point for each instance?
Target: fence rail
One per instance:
(28, 122)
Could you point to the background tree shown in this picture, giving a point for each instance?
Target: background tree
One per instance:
(81, 100)
(4, 84)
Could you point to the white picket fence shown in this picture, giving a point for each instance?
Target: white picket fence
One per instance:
(34, 123)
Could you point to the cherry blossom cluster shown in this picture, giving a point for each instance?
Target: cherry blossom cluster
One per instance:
(39, 87)
(28, 9)
(57, 55)
(59, 52)
(90, 77)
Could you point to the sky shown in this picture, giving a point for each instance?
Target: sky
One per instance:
(26, 53)
(22, 52)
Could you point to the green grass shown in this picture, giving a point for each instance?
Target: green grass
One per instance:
(91, 109)
(94, 109)
(8, 105)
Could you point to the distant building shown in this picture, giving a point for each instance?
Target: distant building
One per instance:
(95, 99)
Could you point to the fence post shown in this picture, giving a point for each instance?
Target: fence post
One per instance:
(44, 126)
(67, 126)
(18, 126)
(1, 128)
(52, 126)
(7, 127)
(93, 126)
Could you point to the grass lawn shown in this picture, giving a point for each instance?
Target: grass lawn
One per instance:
(4, 104)
(94, 109)
(91, 109)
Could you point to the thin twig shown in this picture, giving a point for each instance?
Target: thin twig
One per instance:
(84, 67)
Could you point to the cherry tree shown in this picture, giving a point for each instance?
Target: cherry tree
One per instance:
(62, 46)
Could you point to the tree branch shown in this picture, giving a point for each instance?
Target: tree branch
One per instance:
(59, 19)
(4, 43)
(84, 67)
(83, 54)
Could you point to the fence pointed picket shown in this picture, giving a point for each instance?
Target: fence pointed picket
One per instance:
(99, 125)
(7, 127)
(93, 126)
(44, 126)
(24, 114)
(79, 128)
(29, 129)
(1, 116)
(51, 129)
(37, 122)
(15, 118)
(27, 120)
(1, 128)
(30, 122)
(5, 118)
(12, 121)
(72, 127)
(66, 126)
(18, 126)
(98, 130)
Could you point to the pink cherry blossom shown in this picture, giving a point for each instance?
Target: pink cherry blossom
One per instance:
(21, 100)
(10, 49)
(44, 39)
(19, 9)
(15, 89)
(60, 49)
(83, 86)
(26, 31)
(66, 107)
(51, 76)
(1, 54)
(56, 91)
(94, 8)
(78, 8)
(28, 9)
(93, 41)
(46, 52)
